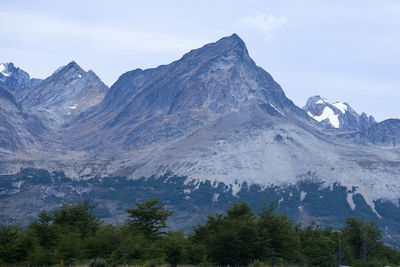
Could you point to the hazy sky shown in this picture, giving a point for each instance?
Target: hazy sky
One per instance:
(342, 50)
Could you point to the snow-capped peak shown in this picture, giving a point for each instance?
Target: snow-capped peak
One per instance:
(327, 114)
(336, 115)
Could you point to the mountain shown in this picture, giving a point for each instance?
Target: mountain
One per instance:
(13, 78)
(67, 92)
(168, 102)
(201, 132)
(337, 115)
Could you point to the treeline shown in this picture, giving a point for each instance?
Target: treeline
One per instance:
(72, 234)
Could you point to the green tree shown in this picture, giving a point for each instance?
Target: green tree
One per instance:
(277, 235)
(104, 242)
(317, 246)
(174, 246)
(362, 237)
(150, 218)
(12, 249)
(229, 239)
(76, 218)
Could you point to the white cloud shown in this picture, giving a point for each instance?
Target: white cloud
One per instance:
(264, 23)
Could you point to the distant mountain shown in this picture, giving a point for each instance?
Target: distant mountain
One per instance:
(13, 78)
(337, 115)
(385, 133)
(67, 92)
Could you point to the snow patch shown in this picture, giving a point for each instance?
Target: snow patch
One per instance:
(341, 106)
(80, 76)
(3, 70)
(303, 195)
(329, 114)
(277, 109)
(321, 101)
(215, 197)
(350, 201)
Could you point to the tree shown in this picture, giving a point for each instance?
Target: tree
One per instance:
(277, 235)
(229, 239)
(362, 236)
(317, 246)
(174, 245)
(77, 217)
(149, 217)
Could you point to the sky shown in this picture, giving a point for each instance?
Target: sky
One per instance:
(347, 51)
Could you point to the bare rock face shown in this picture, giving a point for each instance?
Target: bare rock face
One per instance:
(173, 100)
(337, 115)
(18, 128)
(13, 78)
(385, 133)
(66, 93)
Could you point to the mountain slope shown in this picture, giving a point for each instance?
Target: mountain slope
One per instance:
(19, 130)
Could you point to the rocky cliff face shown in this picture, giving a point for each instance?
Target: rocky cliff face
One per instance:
(18, 128)
(385, 133)
(13, 78)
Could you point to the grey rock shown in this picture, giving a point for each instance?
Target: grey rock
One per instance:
(13, 78)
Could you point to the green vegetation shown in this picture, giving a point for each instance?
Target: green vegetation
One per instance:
(72, 234)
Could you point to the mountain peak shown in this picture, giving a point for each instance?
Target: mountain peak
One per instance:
(70, 67)
(233, 43)
(13, 78)
(66, 93)
(231, 47)
(337, 114)
(233, 39)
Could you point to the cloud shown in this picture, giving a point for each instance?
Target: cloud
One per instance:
(263, 23)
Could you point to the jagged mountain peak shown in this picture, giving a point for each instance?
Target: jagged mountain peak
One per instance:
(216, 78)
(231, 48)
(337, 114)
(71, 67)
(67, 92)
(229, 43)
(13, 78)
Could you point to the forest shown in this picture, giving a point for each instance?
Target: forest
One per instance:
(72, 235)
